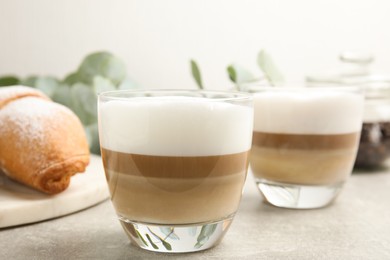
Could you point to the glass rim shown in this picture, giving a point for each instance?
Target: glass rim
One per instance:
(350, 89)
(224, 95)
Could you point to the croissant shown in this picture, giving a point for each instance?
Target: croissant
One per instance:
(42, 143)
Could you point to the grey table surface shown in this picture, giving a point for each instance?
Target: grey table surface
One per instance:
(355, 226)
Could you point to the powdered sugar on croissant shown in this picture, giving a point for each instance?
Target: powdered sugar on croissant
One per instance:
(42, 143)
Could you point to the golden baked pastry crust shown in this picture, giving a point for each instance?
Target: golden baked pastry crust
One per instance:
(42, 143)
(8, 94)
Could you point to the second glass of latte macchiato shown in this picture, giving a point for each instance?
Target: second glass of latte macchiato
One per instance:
(175, 163)
(305, 142)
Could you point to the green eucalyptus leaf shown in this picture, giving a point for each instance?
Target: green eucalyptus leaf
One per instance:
(103, 64)
(166, 245)
(174, 236)
(101, 84)
(232, 73)
(166, 230)
(205, 233)
(9, 81)
(169, 233)
(208, 230)
(192, 231)
(151, 242)
(267, 65)
(200, 243)
(140, 236)
(63, 95)
(29, 81)
(92, 134)
(196, 74)
(89, 135)
(72, 78)
(115, 70)
(241, 74)
(84, 103)
(47, 85)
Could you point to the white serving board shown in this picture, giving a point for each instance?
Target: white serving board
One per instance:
(21, 205)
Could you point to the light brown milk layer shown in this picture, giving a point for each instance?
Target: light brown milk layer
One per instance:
(303, 159)
(174, 189)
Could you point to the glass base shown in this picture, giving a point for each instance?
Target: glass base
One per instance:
(176, 238)
(298, 196)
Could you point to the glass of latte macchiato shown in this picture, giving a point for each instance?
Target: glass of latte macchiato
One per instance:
(175, 163)
(304, 144)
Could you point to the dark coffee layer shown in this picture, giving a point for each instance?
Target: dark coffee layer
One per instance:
(174, 166)
(305, 141)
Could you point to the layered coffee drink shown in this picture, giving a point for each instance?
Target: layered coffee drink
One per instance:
(305, 137)
(175, 160)
(374, 147)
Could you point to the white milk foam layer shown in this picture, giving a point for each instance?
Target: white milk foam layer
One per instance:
(175, 126)
(309, 112)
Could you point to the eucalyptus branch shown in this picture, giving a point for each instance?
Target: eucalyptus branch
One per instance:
(240, 75)
(196, 74)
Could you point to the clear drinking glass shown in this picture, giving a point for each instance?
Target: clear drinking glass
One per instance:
(305, 142)
(175, 163)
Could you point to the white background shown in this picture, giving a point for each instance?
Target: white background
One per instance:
(157, 38)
